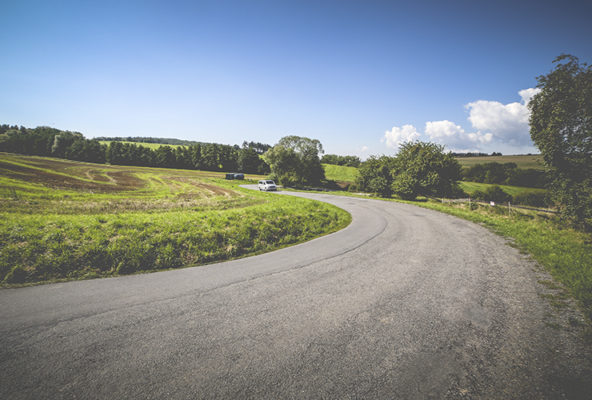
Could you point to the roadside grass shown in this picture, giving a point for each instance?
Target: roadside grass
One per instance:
(55, 226)
(341, 173)
(564, 252)
(472, 187)
(522, 161)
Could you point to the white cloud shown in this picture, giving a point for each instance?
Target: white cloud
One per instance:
(494, 126)
(399, 135)
(454, 136)
(364, 149)
(508, 123)
(528, 94)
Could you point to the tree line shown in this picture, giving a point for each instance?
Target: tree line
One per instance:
(52, 142)
(505, 174)
(348, 161)
(476, 154)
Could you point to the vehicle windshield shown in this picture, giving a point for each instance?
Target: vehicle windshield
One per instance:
(271, 182)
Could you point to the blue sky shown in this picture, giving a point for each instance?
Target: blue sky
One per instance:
(361, 76)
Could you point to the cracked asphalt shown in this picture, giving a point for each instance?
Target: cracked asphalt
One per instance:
(405, 303)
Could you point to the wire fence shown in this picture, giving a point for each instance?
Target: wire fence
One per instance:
(491, 203)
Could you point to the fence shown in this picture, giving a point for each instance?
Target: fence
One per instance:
(510, 205)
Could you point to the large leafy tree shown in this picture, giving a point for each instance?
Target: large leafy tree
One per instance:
(423, 168)
(294, 160)
(376, 175)
(561, 127)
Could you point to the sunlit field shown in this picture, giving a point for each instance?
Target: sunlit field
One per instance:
(62, 219)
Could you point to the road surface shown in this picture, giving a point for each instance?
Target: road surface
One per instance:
(403, 303)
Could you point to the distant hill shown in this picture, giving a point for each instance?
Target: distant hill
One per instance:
(534, 161)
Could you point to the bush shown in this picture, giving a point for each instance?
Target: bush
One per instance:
(424, 169)
(16, 275)
(532, 199)
(493, 193)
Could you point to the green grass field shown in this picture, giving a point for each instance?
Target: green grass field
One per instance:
(472, 187)
(340, 173)
(523, 161)
(62, 219)
(149, 145)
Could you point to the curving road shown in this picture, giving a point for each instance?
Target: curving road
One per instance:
(404, 303)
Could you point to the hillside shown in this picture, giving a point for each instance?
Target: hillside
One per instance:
(534, 161)
(63, 219)
(340, 173)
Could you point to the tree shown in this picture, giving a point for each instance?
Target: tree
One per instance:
(349, 161)
(423, 168)
(376, 175)
(295, 161)
(492, 193)
(561, 128)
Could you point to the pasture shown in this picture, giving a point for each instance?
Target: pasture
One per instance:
(340, 173)
(534, 161)
(472, 187)
(62, 219)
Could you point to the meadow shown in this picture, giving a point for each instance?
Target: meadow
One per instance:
(472, 187)
(534, 161)
(340, 173)
(62, 219)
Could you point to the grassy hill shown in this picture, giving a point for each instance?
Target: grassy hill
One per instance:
(62, 219)
(340, 173)
(523, 161)
(472, 187)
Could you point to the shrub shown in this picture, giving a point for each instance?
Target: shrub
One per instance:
(16, 275)
(492, 193)
(532, 199)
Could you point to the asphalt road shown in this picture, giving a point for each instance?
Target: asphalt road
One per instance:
(404, 303)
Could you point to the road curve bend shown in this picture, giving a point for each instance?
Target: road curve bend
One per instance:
(403, 303)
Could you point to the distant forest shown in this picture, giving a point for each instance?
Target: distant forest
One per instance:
(138, 139)
(52, 142)
(475, 154)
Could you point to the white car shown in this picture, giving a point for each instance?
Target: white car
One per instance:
(267, 185)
